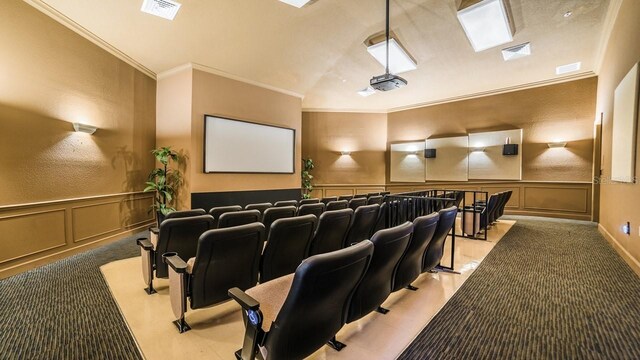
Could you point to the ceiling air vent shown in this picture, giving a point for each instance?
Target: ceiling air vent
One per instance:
(564, 69)
(165, 9)
(516, 52)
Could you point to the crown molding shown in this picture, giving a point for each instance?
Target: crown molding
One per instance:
(361, 111)
(173, 71)
(51, 12)
(607, 29)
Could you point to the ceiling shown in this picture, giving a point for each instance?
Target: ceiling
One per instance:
(318, 51)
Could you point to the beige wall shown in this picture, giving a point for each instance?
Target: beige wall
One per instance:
(325, 134)
(49, 78)
(618, 201)
(564, 111)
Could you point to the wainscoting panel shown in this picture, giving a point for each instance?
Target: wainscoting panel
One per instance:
(571, 200)
(39, 233)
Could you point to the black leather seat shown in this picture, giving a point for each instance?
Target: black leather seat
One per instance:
(238, 218)
(226, 258)
(216, 212)
(308, 201)
(385, 193)
(375, 287)
(275, 213)
(345, 197)
(327, 200)
(315, 209)
(435, 250)
(360, 196)
(185, 213)
(259, 206)
(364, 221)
(293, 316)
(331, 231)
(506, 195)
(357, 202)
(381, 223)
(337, 205)
(178, 235)
(284, 203)
(375, 199)
(288, 245)
(410, 265)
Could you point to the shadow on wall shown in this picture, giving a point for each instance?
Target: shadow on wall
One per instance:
(575, 156)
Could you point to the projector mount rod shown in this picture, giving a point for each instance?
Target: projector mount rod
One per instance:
(387, 37)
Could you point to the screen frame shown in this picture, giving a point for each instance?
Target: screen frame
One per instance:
(204, 146)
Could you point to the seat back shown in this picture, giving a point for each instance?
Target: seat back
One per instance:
(275, 213)
(364, 221)
(327, 200)
(381, 223)
(410, 265)
(226, 258)
(288, 245)
(259, 206)
(315, 209)
(309, 201)
(216, 212)
(345, 197)
(375, 287)
(435, 249)
(185, 213)
(492, 207)
(317, 303)
(286, 203)
(337, 205)
(375, 199)
(506, 200)
(359, 196)
(357, 202)
(180, 236)
(331, 231)
(238, 218)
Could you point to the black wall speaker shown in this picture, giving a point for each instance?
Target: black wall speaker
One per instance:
(429, 153)
(510, 149)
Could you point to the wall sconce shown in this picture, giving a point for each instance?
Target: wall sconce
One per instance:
(88, 129)
(477, 149)
(345, 153)
(415, 152)
(557, 144)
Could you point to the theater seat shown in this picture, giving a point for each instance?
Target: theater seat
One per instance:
(216, 212)
(410, 265)
(375, 199)
(275, 213)
(364, 221)
(337, 205)
(155, 231)
(435, 250)
(226, 258)
(360, 196)
(381, 223)
(331, 231)
(308, 201)
(357, 202)
(238, 218)
(260, 207)
(293, 316)
(179, 235)
(327, 200)
(345, 197)
(288, 245)
(286, 203)
(314, 209)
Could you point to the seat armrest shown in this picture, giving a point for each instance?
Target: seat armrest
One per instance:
(155, 230)
(176, 263)
(145, 244)
(246, 301)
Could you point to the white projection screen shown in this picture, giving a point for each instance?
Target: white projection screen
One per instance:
(235, 146)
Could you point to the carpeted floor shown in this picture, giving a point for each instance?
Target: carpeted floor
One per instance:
(65, 310)
(550, 289)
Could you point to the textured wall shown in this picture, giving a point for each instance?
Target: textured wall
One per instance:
(325, 134)
(618, 200)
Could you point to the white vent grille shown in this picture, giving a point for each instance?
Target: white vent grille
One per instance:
(166, 9)
(568, 68)
(516, 52)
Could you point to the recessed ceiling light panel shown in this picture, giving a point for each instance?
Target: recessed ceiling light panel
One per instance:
(166, 9)
(516, 52)
(368, 91)
(296, 3)
(486, 24)
(399, 60)
(564, 69)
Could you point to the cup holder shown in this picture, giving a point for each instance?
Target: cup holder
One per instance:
(168, 254)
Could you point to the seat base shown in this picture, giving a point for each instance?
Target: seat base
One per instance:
(411, 287)
(335, 344)
(382, 310)
(444, 270)
(181, 325)
(149, 289)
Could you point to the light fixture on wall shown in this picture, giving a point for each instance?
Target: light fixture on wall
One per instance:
(477, 149)
(79, 127)
(296, 3)
(486, 23)
(413, 153)
(345, 153)
(557, 144)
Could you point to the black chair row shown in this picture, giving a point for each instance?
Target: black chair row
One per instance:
(491, 210)
(294, 315)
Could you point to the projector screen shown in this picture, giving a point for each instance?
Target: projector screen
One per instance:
(234, 146)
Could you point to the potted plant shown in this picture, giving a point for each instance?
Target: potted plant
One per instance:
(164, 181)
(307, 186)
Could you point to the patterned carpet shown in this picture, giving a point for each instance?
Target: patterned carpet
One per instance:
(65, 310)
(550, 289)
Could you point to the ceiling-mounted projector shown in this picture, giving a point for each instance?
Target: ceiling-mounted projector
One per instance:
(387, 82)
